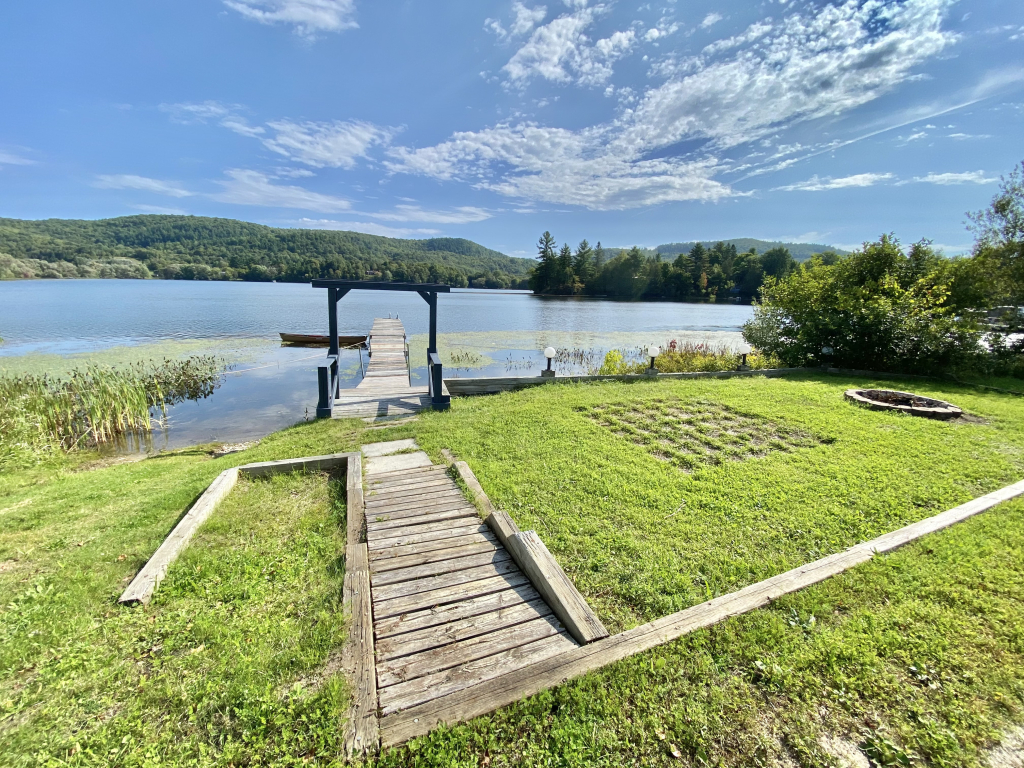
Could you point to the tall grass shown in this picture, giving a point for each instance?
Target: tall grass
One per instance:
(683, 357)
(95, 405)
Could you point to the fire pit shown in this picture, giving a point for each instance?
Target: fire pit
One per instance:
(904, 402)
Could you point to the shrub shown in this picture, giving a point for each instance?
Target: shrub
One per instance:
(878, 309)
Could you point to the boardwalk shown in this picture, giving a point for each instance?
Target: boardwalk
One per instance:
(450, 607)
(385, 390)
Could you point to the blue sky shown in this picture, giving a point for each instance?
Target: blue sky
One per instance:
(620, 122)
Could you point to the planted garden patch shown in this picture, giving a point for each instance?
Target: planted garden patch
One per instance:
(694, 434)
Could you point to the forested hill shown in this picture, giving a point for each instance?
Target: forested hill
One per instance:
(799, 251)
(201, 248)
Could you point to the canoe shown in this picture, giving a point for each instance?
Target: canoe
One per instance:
(315, 340)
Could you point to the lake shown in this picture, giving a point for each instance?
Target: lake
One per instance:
(53, 324)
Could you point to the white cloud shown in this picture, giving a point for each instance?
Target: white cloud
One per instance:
(946, 179)
(814, 184)
(461, 215)
(142, 183)
(9, 158)
(255, 188)
(754, 32)
(710, 19)
(524, 20)
(336, 145)
(812, 64)
(560, 51)
(307, 16)
(365, 227)
(915, 136)
(225, 115)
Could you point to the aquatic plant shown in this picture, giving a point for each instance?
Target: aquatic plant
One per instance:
(682, 357)
(41, 414)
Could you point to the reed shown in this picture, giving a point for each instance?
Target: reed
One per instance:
(96, 405)
(684, 357)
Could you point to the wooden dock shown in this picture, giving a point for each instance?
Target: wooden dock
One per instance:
(386, 389)
(451, 609)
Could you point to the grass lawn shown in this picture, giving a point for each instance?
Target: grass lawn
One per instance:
(653, 496)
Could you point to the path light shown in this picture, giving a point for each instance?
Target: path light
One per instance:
(826, 356)
(549, 353)
(652, 352)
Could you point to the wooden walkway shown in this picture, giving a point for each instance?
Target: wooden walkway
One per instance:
(386, 390)
(450, 607)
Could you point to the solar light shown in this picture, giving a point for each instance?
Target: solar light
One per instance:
(549, 353)
(652, 352)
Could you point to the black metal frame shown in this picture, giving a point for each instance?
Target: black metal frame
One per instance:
(327, 375)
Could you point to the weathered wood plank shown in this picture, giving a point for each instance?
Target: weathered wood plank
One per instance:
(383, 565)
(454, 612)
(361, 728)
(146, 581)
(410, 529)
(414, 501)
(403, 474)
(480, 699)
(400, 670)
(423, 538)
(354, 507)
(455, 631)
(500, 522)
(452, 594)
(448, 565)
(379, 527)
(419, 548)
(305, 464)
(396, 463)
(440, 481)
(425, 689)
(417, 512)
(430, 584)
(385, 448)
(550, 580)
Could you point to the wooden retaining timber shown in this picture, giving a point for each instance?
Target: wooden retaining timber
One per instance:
(485, 386)
(534, 559)
(477, 700)
(148, 579)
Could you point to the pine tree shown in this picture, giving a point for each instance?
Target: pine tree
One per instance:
(544, 274)
(565, 274)
(599, 257)
(583, 262)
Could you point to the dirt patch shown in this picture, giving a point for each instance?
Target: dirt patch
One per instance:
(1010, 753)
(8, 565)
(700, 434)
(846, 753)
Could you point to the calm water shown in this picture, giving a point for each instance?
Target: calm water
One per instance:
(76, 316)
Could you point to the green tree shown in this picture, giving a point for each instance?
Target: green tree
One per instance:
(873, 309)
(544, 274)
(583, 262)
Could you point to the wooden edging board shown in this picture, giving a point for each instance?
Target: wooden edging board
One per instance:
(486, 697)
(537, 563)
(148, 579)
(482, 386)
(361, 734)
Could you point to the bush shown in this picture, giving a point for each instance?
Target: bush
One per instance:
(878, 309)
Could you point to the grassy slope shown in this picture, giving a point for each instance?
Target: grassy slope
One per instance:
(637, 535)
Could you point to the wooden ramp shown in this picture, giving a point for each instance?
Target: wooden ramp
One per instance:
(385, 390)
(450, 607)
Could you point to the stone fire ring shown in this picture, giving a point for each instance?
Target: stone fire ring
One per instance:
(904, 402)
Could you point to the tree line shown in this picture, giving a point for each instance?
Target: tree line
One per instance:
(200, 248)
(702, 274)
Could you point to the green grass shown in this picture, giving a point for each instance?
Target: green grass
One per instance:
(918, 654)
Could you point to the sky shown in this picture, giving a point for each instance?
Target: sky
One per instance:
(618, 122)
